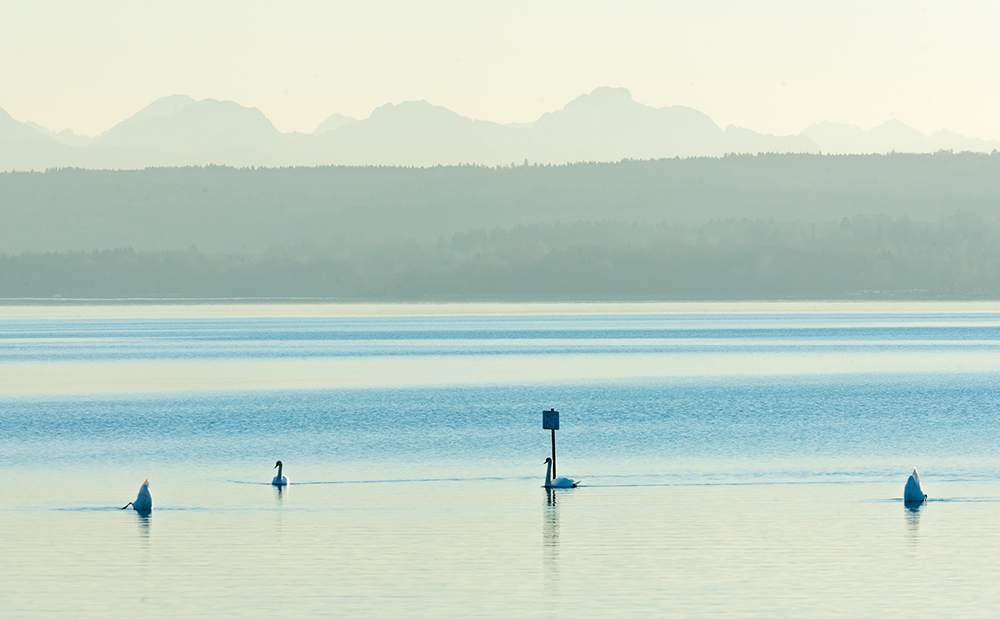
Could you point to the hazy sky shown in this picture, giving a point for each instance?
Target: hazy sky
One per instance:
(772, 65)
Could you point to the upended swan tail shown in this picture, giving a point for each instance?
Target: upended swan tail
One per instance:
(913, 492)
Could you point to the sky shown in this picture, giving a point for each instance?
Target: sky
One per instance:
(774, 66)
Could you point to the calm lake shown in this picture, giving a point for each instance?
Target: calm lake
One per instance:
(738, 460)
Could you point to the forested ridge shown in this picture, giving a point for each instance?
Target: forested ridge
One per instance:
(740, 227)
(880, 257)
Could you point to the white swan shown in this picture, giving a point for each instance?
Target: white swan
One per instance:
(279, 479)
(558, 482)
(913, 493)
(144, 501)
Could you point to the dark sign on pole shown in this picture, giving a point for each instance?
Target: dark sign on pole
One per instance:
(550, 419)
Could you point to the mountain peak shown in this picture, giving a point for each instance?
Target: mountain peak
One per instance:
(412, 114)
(608, 93)
(603, 98)
(335, 121)
(897, 127)
(203, 132)
(164, 106)
(11, 129)
(410, 110)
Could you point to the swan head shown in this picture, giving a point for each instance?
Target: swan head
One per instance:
(548, 461)
(277, 464)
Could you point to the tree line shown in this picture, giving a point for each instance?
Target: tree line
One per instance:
(248, 211)
(955, 257)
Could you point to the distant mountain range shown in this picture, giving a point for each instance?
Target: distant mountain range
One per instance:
(605, 125)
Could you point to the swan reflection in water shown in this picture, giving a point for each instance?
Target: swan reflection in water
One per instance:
(144, 520)
(279, 492)
(912, 512)
(550, 523)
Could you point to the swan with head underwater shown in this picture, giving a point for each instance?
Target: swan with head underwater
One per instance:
(279, 479)
(913, 493)
(143, 501)
(558, 482)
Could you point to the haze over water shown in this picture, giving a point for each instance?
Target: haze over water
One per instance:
(737, 460)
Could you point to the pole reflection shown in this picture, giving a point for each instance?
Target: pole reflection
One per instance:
(550, 541)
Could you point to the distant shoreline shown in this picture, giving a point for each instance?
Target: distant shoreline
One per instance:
(300, 308)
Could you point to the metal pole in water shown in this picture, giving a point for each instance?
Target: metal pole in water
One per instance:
(550, 421)
(554, 454)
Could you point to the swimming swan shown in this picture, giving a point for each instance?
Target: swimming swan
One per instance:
(279, 479)
(144, 501)
(913, 493)
(558, 482)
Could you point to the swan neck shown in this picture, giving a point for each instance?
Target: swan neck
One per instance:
(279, 471)
(548, 474)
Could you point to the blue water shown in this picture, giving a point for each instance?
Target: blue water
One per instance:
(805, 426)
(735, 463)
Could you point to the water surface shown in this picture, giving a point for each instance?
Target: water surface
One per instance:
(738, 460)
